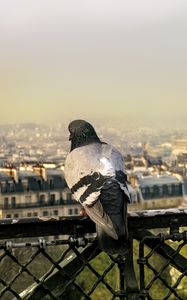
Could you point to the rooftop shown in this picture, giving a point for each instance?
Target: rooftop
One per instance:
(151, 180)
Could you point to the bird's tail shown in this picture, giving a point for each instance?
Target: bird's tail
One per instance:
(110, 245)
(106, 242)
(98, 215)
(109, 213)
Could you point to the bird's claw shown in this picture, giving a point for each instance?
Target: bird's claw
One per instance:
(83, 213)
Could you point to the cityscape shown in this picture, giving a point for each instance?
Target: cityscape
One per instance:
(32, 160)
(122, 67)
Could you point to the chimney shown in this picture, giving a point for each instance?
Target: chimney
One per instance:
(41, 171)
(12, 171)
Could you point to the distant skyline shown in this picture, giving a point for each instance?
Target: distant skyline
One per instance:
(104, 61)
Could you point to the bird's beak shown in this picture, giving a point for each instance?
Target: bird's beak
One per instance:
(70, 137)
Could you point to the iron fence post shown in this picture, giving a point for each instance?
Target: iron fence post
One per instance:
(141, 262)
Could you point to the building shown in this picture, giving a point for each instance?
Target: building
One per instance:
(158, 190)
(180, 146)
(35, 191)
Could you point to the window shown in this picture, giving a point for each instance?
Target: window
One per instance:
(76, 211)
(6, 202)
(29, 214)
(13, 202)
(165, 190)
(3, 186)
(45, 213)
(11, 186)
(156, 191)
(35, 214)
(8, 216)
(70, 212)
(51, 183)
(170, 190)
(25, 185)
(146, 193)
(161, 191)
(151, 191)
(16, 216)
(52, 196)
(178, 190)
(41, 199)
(55, 212)
(39, 184)
(52, 199)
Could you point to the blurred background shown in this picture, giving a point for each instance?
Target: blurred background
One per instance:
(122, 62)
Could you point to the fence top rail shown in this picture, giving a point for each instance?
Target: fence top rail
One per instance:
(45, 226)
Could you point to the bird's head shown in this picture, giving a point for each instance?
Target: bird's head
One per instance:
(82, 133)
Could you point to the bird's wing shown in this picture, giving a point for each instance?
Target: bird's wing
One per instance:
(88, 167)
(98, 215)
(83, 173)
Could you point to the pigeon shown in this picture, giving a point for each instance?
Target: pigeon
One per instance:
(94, 172)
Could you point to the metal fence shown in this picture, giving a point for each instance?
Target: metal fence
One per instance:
(59, 259)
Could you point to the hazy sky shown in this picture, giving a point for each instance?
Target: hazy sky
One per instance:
(116, 61)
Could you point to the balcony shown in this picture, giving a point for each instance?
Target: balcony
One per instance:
(58, 258)
(38, 204)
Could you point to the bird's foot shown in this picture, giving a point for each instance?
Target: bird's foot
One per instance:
(83, 213)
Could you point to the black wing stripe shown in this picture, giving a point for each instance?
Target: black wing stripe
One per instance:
(83, 181)
(95, 186)
(86, 180)
(87, 193)
(121, 177)
(96, 176)
(94, 182)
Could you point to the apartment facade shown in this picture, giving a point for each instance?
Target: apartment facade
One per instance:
(157, 191)
(35, 192)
